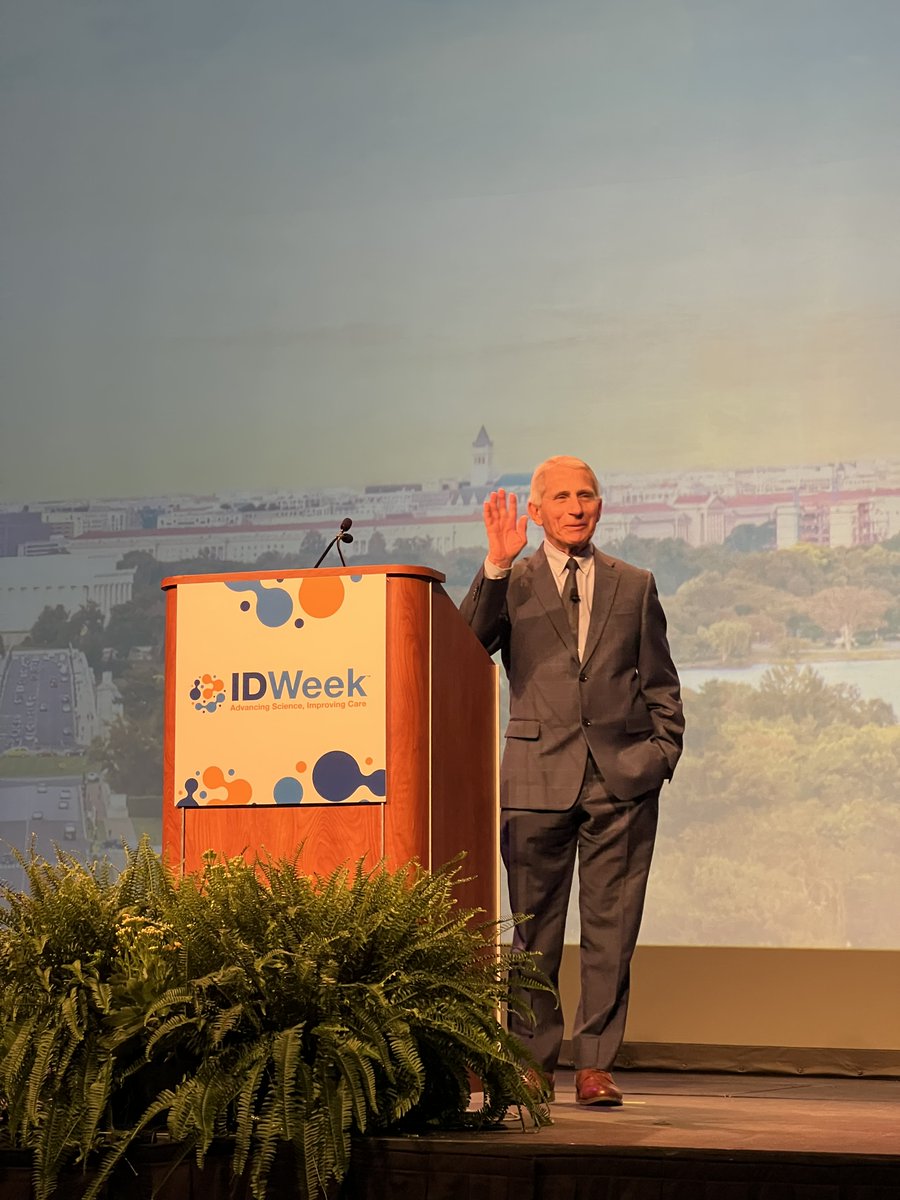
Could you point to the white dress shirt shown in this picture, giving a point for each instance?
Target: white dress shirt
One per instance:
(584, 576)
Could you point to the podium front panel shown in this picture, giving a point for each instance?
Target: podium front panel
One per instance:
(280, 692)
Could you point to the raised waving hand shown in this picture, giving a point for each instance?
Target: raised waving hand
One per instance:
(505, 528)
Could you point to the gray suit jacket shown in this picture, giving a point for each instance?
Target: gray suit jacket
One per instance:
(622, 702)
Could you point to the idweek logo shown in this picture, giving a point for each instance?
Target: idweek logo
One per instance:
(249, 688)
(208, 693)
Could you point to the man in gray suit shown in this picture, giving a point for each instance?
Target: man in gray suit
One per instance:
(595, 728)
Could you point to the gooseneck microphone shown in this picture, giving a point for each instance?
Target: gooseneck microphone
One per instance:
(341, 536)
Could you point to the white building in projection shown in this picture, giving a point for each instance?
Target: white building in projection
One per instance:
(28, 585)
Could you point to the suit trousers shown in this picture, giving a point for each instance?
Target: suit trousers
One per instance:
(612, 840)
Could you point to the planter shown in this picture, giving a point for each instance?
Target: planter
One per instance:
(159, 1172)
(156, 1172)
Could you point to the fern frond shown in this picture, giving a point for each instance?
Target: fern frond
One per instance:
(165, 1031)
(252, 1072)
(293, 1080)
(96, 1101)
(119, 1147)
(269, 1135)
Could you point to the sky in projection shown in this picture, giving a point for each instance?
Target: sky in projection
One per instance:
(292, 243)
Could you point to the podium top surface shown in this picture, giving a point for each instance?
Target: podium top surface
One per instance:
(390, 569)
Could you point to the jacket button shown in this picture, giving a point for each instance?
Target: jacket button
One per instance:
(582, 678)
(585, 721)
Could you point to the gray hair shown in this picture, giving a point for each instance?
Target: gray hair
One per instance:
(559, 460)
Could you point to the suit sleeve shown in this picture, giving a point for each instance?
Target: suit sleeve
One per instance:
(659, 679)
(484, 610)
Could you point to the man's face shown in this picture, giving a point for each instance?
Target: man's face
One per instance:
(569, 509)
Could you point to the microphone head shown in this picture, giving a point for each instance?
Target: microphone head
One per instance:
(345, 525)
(346, 537)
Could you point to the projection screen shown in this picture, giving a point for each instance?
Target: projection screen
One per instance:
(269, 266)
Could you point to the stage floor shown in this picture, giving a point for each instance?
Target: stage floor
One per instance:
(677, 1137)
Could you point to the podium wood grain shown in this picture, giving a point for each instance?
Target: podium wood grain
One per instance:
(319, 838)
(407, 833)
(465, 812)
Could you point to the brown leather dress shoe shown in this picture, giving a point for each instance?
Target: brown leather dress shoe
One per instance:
(596, 1088)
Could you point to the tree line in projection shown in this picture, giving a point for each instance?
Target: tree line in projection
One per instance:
(781, 826)
(728, 607)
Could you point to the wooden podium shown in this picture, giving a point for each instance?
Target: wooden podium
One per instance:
(437, 722)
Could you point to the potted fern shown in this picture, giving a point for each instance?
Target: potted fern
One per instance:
(248, 1010)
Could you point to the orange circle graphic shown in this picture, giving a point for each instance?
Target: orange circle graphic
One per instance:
(321, 596)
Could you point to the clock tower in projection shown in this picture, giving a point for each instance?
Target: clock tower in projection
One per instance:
(482, 459)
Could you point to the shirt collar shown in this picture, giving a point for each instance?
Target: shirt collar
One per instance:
(558, 558)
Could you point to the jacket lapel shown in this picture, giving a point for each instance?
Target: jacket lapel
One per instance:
(606, 581)
(543, 585)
